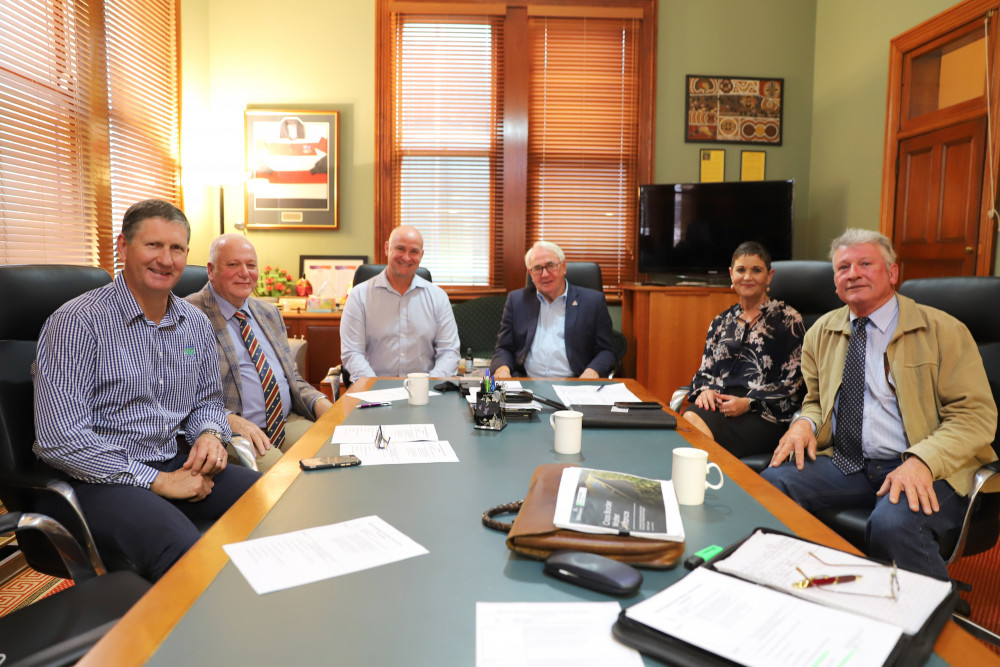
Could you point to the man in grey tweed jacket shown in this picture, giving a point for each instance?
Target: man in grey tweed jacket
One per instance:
(232, 276)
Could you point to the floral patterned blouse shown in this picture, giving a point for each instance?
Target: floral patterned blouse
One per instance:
(762, 357)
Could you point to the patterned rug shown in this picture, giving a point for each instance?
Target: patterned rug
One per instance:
(27, 587)
(982, 571)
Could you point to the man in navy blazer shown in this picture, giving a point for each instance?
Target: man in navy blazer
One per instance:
(553, 328)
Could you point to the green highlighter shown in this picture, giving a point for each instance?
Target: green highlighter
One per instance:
(700, 557)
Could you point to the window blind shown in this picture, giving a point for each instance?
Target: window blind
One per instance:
(88, 123)
(583, 140)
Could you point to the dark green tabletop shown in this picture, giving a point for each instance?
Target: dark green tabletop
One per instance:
(421, 611)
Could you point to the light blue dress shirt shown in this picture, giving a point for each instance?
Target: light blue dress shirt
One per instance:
(251, 388)
(387, 334)
(547, 356)
(882, 434)
(112, 388)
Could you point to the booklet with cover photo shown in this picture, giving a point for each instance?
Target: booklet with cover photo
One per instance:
(603, 501)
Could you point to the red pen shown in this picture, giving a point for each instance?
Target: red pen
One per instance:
(810, 582)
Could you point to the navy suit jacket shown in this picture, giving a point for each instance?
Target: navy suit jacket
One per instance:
(304, 395)
(588, 331)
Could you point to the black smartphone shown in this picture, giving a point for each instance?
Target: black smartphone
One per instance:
(638, 405)
(330, 462)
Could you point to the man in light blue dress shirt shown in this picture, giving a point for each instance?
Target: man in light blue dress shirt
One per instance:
(553, 328)
(120, 371)
(398, 323)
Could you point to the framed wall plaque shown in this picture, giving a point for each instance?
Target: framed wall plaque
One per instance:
(293, 161)
(335, 270)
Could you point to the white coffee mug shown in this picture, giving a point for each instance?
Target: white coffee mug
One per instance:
(417, 385)
(690, 475)
(568, 425)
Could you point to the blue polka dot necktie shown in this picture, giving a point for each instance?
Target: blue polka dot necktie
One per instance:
(847, 452)
(273, 412)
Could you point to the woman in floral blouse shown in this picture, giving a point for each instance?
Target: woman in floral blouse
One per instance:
(749, 384)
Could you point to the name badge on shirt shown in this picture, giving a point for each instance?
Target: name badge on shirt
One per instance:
(188, 351)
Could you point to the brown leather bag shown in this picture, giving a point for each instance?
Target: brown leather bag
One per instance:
(533, 533)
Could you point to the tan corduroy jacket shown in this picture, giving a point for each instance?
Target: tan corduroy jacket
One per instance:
(945, 401)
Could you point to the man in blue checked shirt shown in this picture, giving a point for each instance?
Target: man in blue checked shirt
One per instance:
(120, 371)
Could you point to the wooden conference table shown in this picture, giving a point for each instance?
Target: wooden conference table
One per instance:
(421, 611)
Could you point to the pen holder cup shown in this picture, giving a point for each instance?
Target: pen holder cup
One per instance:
(488, 413)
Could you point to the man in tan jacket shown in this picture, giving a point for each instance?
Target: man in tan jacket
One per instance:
(897, 405)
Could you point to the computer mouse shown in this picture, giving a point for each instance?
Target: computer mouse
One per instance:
(593, 571)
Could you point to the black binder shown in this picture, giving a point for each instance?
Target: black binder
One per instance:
(603, 416)
(909, 650)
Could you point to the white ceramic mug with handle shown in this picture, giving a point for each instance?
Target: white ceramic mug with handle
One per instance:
(417, 386)
(690, 475)
(568, 425)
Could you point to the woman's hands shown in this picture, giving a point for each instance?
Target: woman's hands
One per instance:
(727, 404)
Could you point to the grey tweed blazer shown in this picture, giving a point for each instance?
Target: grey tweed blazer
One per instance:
(269, 319)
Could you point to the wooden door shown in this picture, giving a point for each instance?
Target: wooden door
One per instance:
(938, 192)
(937, 184)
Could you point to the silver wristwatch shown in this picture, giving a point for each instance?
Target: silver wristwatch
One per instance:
(211, 431)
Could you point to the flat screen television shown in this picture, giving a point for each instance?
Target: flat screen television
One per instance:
(693, 228)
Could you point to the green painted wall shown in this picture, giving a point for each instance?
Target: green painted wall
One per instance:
(833, 55)
(765, 38)
(849, 98)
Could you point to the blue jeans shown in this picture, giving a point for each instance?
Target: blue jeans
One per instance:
(894, 532)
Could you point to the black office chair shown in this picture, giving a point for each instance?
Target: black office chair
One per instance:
(59, 629)
(192, 280)
(807, 286)
(31, 294)
(367, 271)
(581, 274)
(361, 274)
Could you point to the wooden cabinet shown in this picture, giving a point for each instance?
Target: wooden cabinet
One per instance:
(322, 333)
(666, 329)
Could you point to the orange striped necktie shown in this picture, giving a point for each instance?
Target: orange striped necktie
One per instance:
(274, 414)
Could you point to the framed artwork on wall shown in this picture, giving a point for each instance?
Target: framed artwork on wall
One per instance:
(335, 270)
(733, 109)
(293, 161)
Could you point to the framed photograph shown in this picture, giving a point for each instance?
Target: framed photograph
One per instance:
(712, 165)
(752, 165)
(293, 161)
(335, 270)
(733, 110)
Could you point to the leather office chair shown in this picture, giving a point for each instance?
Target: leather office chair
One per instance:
(581, 274)
(971, 300)
(805, 285)
(31, 294)
(192, 280)
(361, 274)
(367, 271)
(478, 322)
(60, 628)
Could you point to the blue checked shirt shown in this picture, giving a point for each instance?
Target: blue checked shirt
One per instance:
(112, 389)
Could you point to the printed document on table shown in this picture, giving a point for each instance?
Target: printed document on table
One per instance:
(563, 634)
(588, 394)
(282, 561)
(760, 627)
(394, 394)
(403, 452)
(771, 559)
(365, 433)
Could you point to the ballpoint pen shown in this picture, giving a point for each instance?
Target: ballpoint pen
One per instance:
(811, 582)
(375, 405)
